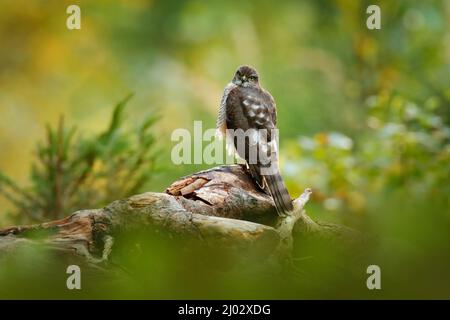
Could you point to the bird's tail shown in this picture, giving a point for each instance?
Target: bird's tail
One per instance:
(279, 193)
(274, 185)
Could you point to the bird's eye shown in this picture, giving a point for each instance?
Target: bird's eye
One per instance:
(253, 78)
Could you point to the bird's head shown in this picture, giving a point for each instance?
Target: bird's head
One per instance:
(246, 76)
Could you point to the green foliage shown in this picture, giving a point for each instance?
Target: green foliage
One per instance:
(405, 147)
(73, 172)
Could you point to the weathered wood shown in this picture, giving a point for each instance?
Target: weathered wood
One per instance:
(221, 205)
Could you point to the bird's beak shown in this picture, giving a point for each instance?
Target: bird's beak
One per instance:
(244, 78)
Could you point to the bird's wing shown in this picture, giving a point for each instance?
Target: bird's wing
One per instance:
(260, 112)
(273, 108)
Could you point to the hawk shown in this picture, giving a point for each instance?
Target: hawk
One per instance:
(247, 119)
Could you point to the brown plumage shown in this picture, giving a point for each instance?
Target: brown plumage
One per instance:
(250, 112)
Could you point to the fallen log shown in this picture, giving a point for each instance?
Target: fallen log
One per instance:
(220, 206)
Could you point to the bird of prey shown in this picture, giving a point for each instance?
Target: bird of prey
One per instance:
(247, 119)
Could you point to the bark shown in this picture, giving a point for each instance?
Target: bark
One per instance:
(220, 206)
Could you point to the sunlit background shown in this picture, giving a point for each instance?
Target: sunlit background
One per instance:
(364, 115)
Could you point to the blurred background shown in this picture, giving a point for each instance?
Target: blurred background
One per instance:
(364, 115)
